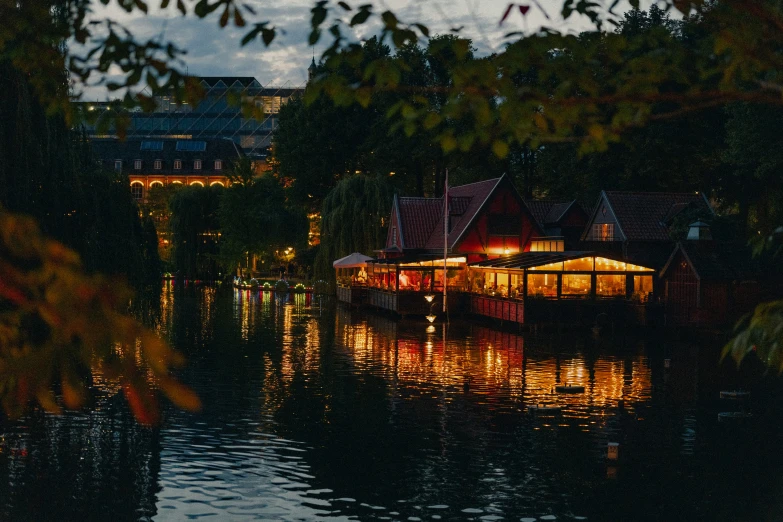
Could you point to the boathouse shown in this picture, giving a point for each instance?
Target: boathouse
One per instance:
(477, 222)
(709, 283)
(642, 227)
(561, 219)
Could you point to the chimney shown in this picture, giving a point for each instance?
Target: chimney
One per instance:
(699, 231)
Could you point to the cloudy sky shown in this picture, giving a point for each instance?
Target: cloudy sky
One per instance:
(213, 51)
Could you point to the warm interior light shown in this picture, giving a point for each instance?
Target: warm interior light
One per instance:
(430, 329)
(507, 251)
(429, 297)
(431, 318)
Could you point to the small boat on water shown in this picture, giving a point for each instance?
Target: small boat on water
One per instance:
(544, 408)
(728, 416)
(569, 388)
(735, 394)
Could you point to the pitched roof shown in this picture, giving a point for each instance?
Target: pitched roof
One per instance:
(644, 216)
(716, 261)
(475, 194)
(418, 217)
(548, 211)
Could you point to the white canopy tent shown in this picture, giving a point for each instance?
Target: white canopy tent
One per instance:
(355, 260)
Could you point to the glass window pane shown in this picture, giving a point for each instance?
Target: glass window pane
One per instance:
(643, 286)
(603, 264)
(411, 280)
(637, 268)
(583, 264)
(550, 266)
(543, 285)
(576, 284)
(610, 285)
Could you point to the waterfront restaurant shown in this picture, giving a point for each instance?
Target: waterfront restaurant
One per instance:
(501, 288)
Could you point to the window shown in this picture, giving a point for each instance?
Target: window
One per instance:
(550, 266)
(196, 183)
(610, 285)
(603, 232)
(547, 245)
(504, 225)
(603, 264)
(576, 285)
(118, 165)
(197, 165)
(177, 164)
(218, 165)
(542, 285)
(643, 286)
(151, 145)
(156, 184)
(158, 164)
(192, 146)
(137, 164)
(584, 264)
(137, 190)
(394, 236)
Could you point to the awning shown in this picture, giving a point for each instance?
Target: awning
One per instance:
(355, 260)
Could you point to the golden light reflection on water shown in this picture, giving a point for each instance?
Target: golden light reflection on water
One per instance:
(503, 370)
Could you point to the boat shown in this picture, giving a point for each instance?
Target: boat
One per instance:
(735, 394)
(569, 388)
(544, 408)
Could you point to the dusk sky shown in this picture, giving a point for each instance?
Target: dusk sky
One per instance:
(216, 52)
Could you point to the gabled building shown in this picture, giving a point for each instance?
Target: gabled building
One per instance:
(639, 225)
(486, 219)
(566, 219)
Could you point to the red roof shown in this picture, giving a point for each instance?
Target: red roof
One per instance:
(645, 216)
(473, 197)
(418, 217)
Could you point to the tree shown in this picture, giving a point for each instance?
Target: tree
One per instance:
(352, 220)
(195, 231)
(255, 218)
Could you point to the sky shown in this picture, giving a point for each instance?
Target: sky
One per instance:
(213, 51)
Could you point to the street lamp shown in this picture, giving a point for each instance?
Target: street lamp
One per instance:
(429, 297)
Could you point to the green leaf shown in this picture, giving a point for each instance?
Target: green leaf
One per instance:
(500, 149)
(362, 16)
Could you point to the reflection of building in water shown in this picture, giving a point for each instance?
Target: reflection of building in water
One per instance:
(501, 369)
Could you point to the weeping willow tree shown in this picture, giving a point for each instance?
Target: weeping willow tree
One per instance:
(352, 220)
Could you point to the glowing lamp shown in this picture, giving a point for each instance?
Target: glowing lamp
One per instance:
(507, 251)
(430, 329)
(431, 318)
(429, 298)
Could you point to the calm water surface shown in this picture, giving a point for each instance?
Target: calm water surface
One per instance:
(312, 411)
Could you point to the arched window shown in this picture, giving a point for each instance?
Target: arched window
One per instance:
(216, 183)
(137, 190)
(200, 184)
(156, 184)
(176, 183)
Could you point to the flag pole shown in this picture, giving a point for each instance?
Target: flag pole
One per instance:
(445, 237)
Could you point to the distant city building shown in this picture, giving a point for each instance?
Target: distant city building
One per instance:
(214, 117)
(156, 161)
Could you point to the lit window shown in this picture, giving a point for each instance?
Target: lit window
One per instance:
(218, 165)
(610, 285)
(156, 184)
(137, 190)
(158, 164)
(603, 232)
(137, 164)
(197, 165)
(177, 164)
(151, 145)
(550, 266)
(643, 285)
(576, 284)
(542, 285)
(603, 264)
(557, 245)
(584, 264)
(118, 165)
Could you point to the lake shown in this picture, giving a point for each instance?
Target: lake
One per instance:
(315, 411)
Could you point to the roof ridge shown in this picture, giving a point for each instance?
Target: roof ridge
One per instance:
(651, 193)
(476, 182)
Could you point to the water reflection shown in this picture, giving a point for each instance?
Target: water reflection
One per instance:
(314, 412)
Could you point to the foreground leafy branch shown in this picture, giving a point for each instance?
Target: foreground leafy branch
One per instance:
(61, 329)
